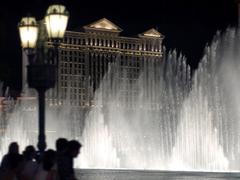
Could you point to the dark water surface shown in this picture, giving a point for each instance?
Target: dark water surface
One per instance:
(108, 174)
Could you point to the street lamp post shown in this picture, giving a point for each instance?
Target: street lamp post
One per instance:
(41, 71)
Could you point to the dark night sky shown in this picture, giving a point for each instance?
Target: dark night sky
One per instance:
(187, 25)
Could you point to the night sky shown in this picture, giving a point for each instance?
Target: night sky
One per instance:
(187, 25)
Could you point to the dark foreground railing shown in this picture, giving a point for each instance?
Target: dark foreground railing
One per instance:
(114, 174)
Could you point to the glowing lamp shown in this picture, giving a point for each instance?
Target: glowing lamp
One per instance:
(56, 21)
(28, 31)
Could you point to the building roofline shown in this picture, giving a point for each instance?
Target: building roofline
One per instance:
(103, 25)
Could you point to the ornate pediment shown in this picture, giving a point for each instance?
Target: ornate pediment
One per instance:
(152, 33)
(104, 25)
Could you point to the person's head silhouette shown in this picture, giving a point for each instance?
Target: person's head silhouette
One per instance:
(13, 148)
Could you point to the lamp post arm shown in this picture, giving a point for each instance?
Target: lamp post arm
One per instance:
(56, 45)
(31, 55)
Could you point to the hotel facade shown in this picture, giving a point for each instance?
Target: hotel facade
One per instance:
(84, 59)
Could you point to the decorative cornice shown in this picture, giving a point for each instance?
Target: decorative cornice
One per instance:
(103, 25)
(151, 33)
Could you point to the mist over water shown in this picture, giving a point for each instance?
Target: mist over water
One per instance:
(169, 121)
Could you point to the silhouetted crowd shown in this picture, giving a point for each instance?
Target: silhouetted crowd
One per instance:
(30, 165)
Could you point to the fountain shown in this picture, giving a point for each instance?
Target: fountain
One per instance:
(173, 122)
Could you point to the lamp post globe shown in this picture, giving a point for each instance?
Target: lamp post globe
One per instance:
(41, 71)
(28, 30)
(56, 19)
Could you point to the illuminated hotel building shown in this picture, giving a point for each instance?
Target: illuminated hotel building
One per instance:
(84, 58)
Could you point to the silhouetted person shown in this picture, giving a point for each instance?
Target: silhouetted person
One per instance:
(61, 145)
(65, 163)
(13, 151)
(61, 148)
(14, 170)
(46, 170)
(30, 164)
